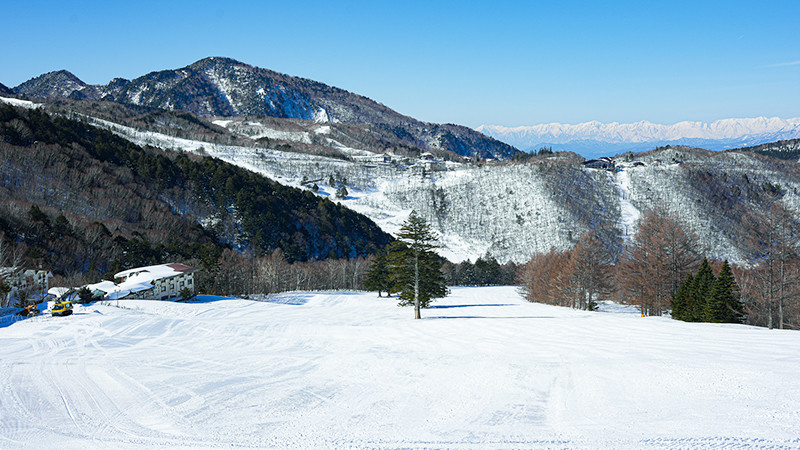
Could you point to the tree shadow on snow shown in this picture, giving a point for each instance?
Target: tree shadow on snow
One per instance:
(293, 298)
(489, 317)
(468, 306)
(208, 299)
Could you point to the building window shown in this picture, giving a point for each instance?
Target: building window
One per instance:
(182, 283)
(163, 288)
(189, 282)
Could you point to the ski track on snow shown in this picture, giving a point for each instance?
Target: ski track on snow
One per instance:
(343, 369)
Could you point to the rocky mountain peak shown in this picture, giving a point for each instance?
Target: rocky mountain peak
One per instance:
(216, 61)
(60, 83)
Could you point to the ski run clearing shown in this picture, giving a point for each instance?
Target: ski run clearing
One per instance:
(483, 369)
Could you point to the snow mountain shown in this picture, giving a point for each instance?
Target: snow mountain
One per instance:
(511, 210)
(593, 139)
(226, 87)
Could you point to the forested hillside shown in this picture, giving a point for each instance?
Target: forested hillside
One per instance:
(786, 149)
(78, 198)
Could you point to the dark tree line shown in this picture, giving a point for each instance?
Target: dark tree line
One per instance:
(245, 275)
(485, 271)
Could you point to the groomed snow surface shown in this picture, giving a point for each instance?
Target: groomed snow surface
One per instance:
(483, 369)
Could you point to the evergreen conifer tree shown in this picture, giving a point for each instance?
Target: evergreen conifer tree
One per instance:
(724, 303)
(377, 277)
(466, 274)
(414, 267)
(682, 302)
(698, 294)
(84, 295)
(487, 270)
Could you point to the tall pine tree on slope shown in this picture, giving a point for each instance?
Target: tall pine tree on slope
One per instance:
(682, 302)
(414, 267)
(699, 292)
(724, 303)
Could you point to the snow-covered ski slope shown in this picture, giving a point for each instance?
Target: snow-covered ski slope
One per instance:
(483, 369)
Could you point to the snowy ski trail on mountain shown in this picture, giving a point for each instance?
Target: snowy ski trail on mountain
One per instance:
(483, 369)
(629, 214)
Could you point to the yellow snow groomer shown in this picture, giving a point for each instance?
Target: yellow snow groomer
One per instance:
(62, 308)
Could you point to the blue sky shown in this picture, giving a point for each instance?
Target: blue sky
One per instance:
(507, 63)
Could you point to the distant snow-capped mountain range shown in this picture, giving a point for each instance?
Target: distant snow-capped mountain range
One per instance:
(594, 138)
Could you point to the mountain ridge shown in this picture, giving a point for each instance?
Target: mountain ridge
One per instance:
(219, 86)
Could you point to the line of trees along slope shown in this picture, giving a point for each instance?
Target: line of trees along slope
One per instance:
(663, 270)
(78, 199)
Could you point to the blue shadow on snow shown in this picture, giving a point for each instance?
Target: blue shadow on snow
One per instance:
(489, 317)
(468, 306)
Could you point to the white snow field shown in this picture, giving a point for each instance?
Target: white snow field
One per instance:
(483, 369)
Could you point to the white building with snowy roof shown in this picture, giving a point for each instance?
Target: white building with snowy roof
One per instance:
(27, 281)
(160, 282)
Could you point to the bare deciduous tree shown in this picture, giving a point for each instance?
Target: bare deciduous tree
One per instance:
(773, 282)
(588, 270)
(660, 257)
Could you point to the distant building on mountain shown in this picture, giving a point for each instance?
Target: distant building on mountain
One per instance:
(604, 163)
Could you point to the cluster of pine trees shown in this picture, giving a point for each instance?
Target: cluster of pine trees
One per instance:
(663, 270)
(705, 298)
(485, 271)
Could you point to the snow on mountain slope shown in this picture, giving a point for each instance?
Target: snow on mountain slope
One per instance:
(508, 211)
(710, 192)
(629, 214)
(515, 210)
(256, 130)
(482, 369)
(21, 103)
(596, 137)
(653, 185)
